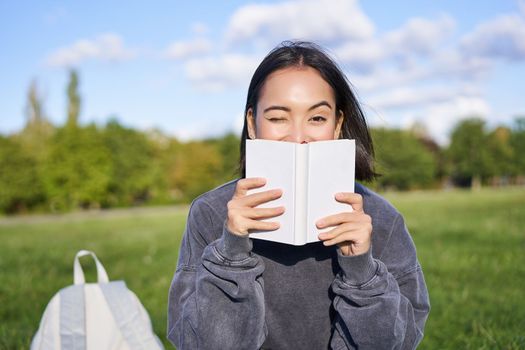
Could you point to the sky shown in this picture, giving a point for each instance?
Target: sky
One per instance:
(184, 66)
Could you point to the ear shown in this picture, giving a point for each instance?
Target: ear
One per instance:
(339, 125)
(250, 121)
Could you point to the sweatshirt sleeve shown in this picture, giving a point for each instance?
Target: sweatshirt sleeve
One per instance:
(381, 303)
(216, 298)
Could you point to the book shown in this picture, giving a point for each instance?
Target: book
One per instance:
(309, 175)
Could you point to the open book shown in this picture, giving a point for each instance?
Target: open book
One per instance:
(309, 175)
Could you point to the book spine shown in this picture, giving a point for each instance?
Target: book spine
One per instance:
(301, 190)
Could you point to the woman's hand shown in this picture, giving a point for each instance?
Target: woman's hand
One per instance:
(352, 231)
(242, 214)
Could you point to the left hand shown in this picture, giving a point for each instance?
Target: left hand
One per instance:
(352, 231)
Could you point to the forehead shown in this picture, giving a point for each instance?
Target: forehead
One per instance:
(295, 85)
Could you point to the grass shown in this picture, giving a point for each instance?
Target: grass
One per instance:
(470, 244)
(471, 247)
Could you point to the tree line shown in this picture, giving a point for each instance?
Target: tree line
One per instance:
(51, 168)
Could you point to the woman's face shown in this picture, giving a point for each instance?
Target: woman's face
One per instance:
(295, 105)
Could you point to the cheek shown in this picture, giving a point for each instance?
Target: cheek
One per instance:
(270, 131)
(325, 132)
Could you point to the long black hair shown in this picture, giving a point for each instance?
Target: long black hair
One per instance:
(307, 54)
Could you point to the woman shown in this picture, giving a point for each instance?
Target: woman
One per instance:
(353, 289)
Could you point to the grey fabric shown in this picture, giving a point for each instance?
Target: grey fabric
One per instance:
(232, 292)
(135, 331)
(72, 318)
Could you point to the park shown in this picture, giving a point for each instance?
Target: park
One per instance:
(470, 244)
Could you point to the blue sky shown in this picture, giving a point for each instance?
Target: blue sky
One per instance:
(184, 67)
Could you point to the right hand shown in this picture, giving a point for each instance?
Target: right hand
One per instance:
(242, 214)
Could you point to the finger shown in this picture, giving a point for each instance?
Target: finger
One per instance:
(353, 237)
(255, 199)
(334, 241)
(243, 185)
(354, 199)
(255, 225)
(350, 231)
(336, 219)
(346, 227)
(263, 213)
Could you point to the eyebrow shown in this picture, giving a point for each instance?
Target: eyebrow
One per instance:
(287, 109)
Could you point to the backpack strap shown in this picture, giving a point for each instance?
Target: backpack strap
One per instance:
(72, 318)
(78, 276)
(125, 309)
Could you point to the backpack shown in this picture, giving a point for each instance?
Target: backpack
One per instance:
(89, 316)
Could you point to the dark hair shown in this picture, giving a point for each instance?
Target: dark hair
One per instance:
(307, 54)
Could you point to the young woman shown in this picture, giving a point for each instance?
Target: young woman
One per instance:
(360, 286)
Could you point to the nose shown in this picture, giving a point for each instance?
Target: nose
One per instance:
(297, 135)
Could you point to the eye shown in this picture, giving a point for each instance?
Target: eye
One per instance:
(276, 119)
(318, 119)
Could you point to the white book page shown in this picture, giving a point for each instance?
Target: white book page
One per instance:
(331, 170)
(301, 193)
(274, 161)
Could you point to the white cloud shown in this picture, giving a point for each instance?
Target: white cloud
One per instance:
(455, 65)
(322, 20)
(385, 78)
(502, 37)
(105, 47)
(218, 73)
(440, 118)
(185, 49)
(408, 97)
(361, 55)
(419, 36)
(417, 71)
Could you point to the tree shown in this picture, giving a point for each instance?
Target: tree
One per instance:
(420, 131)
(78, 169)
(73, 106)
(468, 152)
(20, 186)
(403, 162)
(133, 176)
(501, 155)
(228, 147)
(517, 142)
(37, 132)
(196, 168)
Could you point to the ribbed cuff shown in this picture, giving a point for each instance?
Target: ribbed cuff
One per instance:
(234, 247)
(357, 269)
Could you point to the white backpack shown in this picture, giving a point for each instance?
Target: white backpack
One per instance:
(95, 316)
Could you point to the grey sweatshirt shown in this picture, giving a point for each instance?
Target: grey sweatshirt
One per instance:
(232, 292)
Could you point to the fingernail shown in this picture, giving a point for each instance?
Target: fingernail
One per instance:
(319, 223)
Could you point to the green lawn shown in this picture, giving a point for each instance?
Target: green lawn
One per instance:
(471, 247)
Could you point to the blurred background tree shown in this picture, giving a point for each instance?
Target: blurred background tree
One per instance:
(20, 185)
(517, 142)
(73, 99)
(468, 153)
(402, 160)
(76, 166)
(132, 162)
(78, 169)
